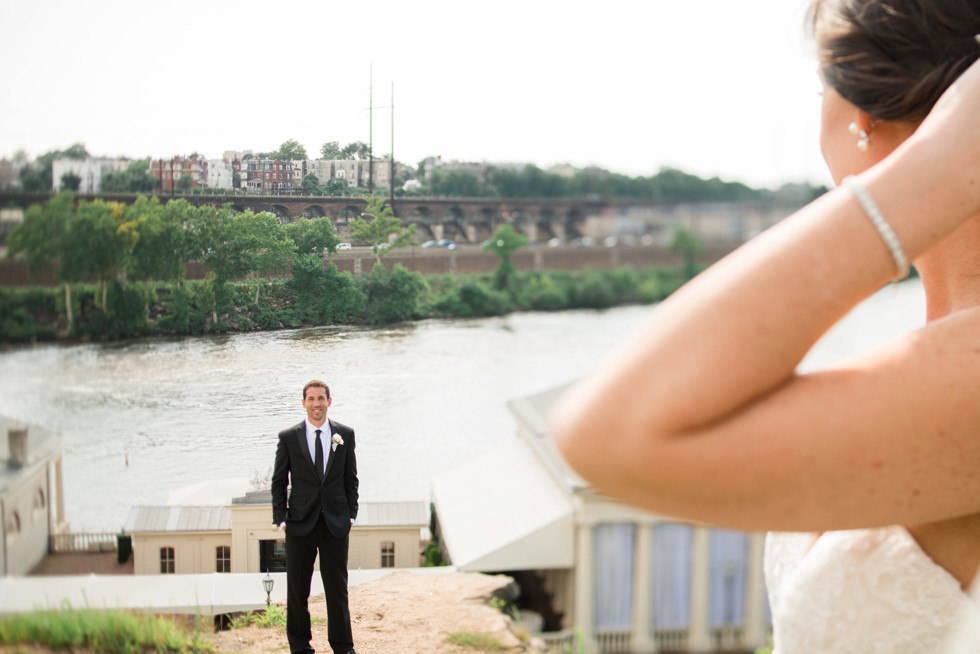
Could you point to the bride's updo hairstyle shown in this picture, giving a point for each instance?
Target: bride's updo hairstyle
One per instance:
(894, 58)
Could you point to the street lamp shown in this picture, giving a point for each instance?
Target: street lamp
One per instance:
(267, 584)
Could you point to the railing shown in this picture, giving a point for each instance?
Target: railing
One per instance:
(727, 638)
(614, 641)
(671, 640)
(559, 642)
(82, 542)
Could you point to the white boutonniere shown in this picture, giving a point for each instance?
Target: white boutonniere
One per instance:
(335, 441)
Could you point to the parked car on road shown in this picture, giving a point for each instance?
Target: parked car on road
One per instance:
(343, 246)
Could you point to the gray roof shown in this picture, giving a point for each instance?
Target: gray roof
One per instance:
(178, 518)
(218, 518)
(393, 514)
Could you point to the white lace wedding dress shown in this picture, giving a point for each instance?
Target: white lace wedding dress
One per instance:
(860, 591)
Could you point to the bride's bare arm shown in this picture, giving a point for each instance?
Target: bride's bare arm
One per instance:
(703, 415)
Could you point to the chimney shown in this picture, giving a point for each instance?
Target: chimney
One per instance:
(17, 447)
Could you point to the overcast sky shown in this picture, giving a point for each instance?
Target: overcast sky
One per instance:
(713, 87)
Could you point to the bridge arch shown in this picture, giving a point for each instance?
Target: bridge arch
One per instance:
(314, 211)
(282, 213)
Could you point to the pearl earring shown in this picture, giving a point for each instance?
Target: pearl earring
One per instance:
(863, 137)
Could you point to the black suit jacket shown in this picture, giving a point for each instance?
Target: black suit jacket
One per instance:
(335, 497)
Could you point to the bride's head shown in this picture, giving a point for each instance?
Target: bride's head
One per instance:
(884, 64)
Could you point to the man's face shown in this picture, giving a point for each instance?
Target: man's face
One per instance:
(316, 403)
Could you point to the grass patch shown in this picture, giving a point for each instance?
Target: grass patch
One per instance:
(103, 632)
(477, 641)
(271, 617)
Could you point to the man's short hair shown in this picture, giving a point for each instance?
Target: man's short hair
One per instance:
(316, 383)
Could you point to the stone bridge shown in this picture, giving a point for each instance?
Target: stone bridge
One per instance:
(466, 220)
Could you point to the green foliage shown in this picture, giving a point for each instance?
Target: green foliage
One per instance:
(330, 150)
(313, 236)
(102, 632)
(71, 182)
(274, 616)
(472, 299)
(477, 641)
(503, 243)
(392, 295)
(291, 150)
(432, 557)
(27, 314)
(384, 231)
(541, 292)
(688, 247)
(324, 295)
(135, 179)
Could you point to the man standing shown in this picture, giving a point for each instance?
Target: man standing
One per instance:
(317, 458)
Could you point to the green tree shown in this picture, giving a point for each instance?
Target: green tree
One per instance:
(355, 150)
(184, 183)
(503, 243)
(330, 150)
(71, 182)
(688, 247)
(311, 185)
(97, 244)
(455, 183)
(136, 178)
(384, 231)
(235, 245)
(291, 150)
(313, 236)
(38, 238)
(336, 187)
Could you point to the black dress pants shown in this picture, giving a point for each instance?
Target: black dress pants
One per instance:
(301, 553)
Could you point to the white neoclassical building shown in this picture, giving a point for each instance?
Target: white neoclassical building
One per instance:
(628, 580)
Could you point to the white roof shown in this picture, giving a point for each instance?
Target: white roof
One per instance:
(214, 492)
(178, 518)
(504, 511)
(204, 594)
(531, 414)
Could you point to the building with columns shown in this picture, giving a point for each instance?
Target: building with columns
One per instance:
(627, 580)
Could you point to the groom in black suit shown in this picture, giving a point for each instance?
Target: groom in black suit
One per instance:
(317, 458)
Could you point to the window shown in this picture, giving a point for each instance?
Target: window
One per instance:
(387, 554)
(13, 524)
(167, 561)
(223, 556)
(39, 504)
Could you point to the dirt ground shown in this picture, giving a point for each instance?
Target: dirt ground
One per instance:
(402, 613)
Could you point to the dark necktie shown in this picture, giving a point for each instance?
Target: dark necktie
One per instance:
(318, 461)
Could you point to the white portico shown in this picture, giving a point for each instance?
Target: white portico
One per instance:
(628, 580)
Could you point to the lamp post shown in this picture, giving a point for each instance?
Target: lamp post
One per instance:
(267, 584)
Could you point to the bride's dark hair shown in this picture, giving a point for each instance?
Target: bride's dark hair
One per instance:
(894, 58)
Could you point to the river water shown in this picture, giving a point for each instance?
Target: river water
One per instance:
(142, 419)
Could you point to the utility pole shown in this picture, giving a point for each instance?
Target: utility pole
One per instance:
(391, 163)
(371, 129)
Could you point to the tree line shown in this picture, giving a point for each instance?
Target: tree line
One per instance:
(122, 271)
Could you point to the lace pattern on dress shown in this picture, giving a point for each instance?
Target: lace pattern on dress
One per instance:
(862, 591)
